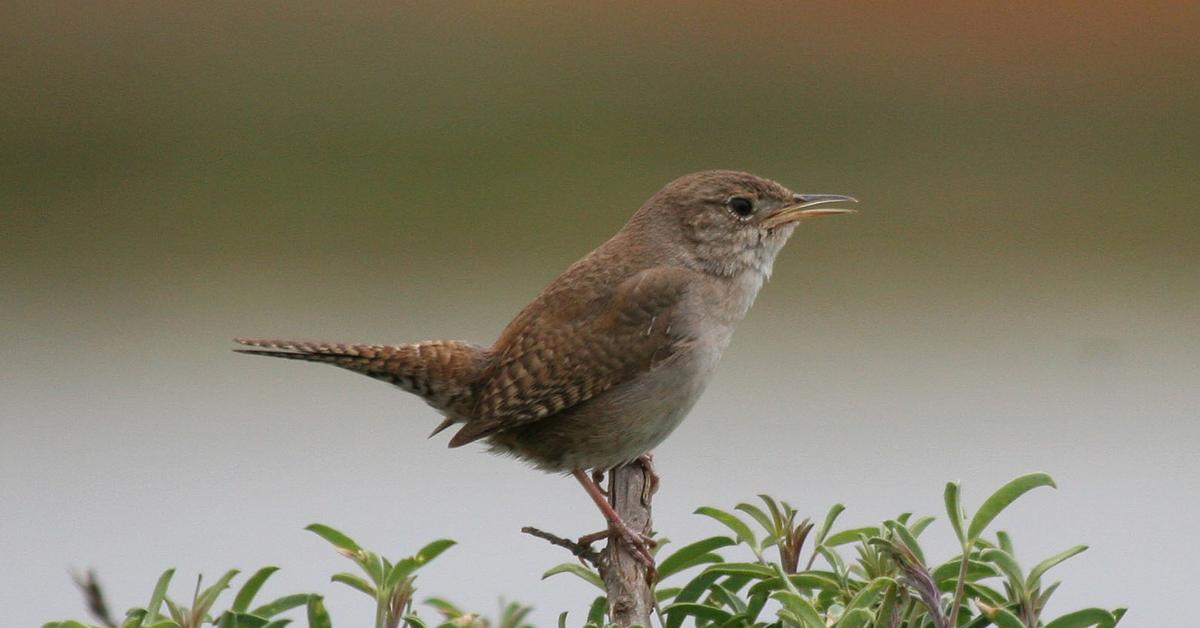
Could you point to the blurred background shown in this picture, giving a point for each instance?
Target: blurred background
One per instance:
(1020, 292)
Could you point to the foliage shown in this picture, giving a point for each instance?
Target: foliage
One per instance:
(390, 584)
(886, 583)
(239, 614)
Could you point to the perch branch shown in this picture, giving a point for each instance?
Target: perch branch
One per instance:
(580, 551)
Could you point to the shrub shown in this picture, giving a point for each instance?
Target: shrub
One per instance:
(886, 582)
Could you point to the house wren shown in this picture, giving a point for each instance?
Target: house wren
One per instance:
(607, 360)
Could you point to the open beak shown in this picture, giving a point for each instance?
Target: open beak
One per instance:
(807, 207)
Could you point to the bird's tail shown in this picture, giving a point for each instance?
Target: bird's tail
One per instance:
(439, 371)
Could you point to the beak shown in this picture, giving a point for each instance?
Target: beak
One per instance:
(806, 207)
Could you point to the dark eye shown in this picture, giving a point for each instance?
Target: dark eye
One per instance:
(741, 206)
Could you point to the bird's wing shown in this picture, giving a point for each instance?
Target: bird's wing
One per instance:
(560, 358)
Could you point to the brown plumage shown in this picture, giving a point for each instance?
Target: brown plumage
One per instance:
(610, 357)
(554, 355)
(439, 371)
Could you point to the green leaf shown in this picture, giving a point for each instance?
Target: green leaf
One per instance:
(699, 611)
(1119, 613)
(773, 506)
(433, 550)
(375, 567)
(691, 555)
(883, 615)
(802, 580)
(1004, 542)
(919, 525)
(174, 609)
(354, 582)
(948, 571)
(665, 593)
(739, 527)
(908, 539)
(577, 569)
(414, 621)
(1035, 574)
(278, 623)
(398, 572)
(562, 620)
(979, 591)
(834, 512)
(133, 618)
(1084, 618)
(856, 618)
(596, 612)
(230, 619)
(691, 592)
(1002, 498)
(1008, 565)
(727, 598)
(246, 594)
(749, 570)
(1044, 597)
(803, 612)
(758, 515)
(156, 598)
(209, 597)
(279, 605)
(1004, 618)
(336, 538)
(754, 607)
(446, 608)
(734, 583)
(866, 597)
(834, 560)
(851, 535)
(318, 617)
(954, 511)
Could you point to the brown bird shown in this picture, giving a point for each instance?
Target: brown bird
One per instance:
(607, 360)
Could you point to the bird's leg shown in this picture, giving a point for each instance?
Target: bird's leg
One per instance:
(652, 479)
(638, 546)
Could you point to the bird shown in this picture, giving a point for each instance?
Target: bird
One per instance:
(610, 357)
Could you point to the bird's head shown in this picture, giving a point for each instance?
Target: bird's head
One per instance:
(729, 222)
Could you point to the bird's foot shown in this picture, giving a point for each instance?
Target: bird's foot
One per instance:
(639, 544)
(588, 540)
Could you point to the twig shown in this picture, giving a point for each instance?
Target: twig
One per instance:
(582, 552)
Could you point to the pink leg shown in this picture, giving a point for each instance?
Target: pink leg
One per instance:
(637, 545)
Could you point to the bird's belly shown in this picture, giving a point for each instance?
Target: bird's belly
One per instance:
(618, 425)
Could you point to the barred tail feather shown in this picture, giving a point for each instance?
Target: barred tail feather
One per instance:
(439, 371)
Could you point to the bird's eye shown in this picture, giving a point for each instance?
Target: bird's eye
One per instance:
(741, 206)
